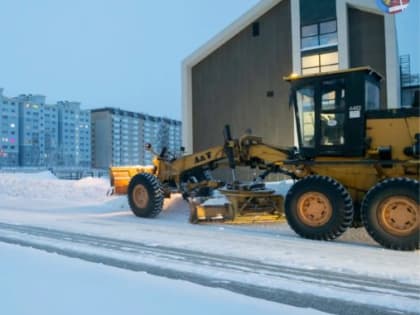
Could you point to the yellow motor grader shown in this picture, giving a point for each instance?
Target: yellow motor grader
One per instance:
(356, 164)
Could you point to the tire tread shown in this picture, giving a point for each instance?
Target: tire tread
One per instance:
(157, 197)
(365, 210)
(347, 211)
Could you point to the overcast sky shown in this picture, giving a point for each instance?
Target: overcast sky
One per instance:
(120, 53)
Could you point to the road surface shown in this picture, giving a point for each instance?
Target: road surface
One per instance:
(283, 284)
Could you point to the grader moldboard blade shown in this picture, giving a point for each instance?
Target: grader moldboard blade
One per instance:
(121, 176)
(242, 204)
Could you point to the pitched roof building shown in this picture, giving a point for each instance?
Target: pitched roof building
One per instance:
(236, 77)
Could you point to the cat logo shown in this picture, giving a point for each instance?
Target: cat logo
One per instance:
(201, 158)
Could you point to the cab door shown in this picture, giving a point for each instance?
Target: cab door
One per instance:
(331, 116)
(340, 117)
(330, 119)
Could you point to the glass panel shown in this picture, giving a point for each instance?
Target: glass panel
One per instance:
(334, 94)
(310, 70)
(328, 27)
(329, 58)
(372, 96)
(332, 129)
(310, 61)
(309, 30)
(328, 39)
(306, 108)
(328, 100)
(329, 68)
(309, 42)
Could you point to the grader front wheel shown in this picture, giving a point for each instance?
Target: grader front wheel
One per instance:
(391, 215)
(318, 207)
(145, 195)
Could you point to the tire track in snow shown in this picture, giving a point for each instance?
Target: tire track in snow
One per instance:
(333, 280)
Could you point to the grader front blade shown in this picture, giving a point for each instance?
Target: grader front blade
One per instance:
(239, 207)
(121, 175)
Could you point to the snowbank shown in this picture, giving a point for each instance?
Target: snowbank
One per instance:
(45, 186)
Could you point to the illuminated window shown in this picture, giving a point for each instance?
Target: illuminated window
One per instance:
(310, 61)
(329, 58)
(320, 62)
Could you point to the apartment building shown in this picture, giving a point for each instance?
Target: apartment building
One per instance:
(49, 119)
(119, 137)
(73, 135)
(161, 133)
(35, 134)
(32, 130)
(9, 131)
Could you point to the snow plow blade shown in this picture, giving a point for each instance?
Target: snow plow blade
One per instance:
(239, 207)
(120, 176)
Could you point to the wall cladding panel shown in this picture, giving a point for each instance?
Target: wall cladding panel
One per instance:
(230, 86)
(367, 44)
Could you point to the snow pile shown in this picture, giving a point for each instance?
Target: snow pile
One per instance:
(280, 188)
(45, 186)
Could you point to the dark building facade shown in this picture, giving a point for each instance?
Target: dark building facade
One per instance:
(240, 83)
(236, 78)
(367, 46)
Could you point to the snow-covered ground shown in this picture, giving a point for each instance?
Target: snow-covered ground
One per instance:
(84, 207)
(49, 284)
(41, 199)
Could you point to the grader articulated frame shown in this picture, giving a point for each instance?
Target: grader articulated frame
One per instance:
(356, 165)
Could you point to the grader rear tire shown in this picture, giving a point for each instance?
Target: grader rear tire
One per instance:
(391, 215)
(145, 195)
(319, 207)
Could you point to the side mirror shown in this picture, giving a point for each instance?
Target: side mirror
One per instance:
(148, 146)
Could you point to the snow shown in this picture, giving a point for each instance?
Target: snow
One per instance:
(48, 284)
(83, 206)
(45, 186)
(218, 201)
(279, 188)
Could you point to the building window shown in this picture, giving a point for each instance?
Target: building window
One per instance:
(320, 62)
(255, 29)
(319, 35)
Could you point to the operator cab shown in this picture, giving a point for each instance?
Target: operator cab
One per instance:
(330, 110)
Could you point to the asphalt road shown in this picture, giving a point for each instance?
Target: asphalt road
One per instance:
(108, 250)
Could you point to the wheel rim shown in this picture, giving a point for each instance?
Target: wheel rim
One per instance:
(140, 196)
(314, 209)
(399, 215)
